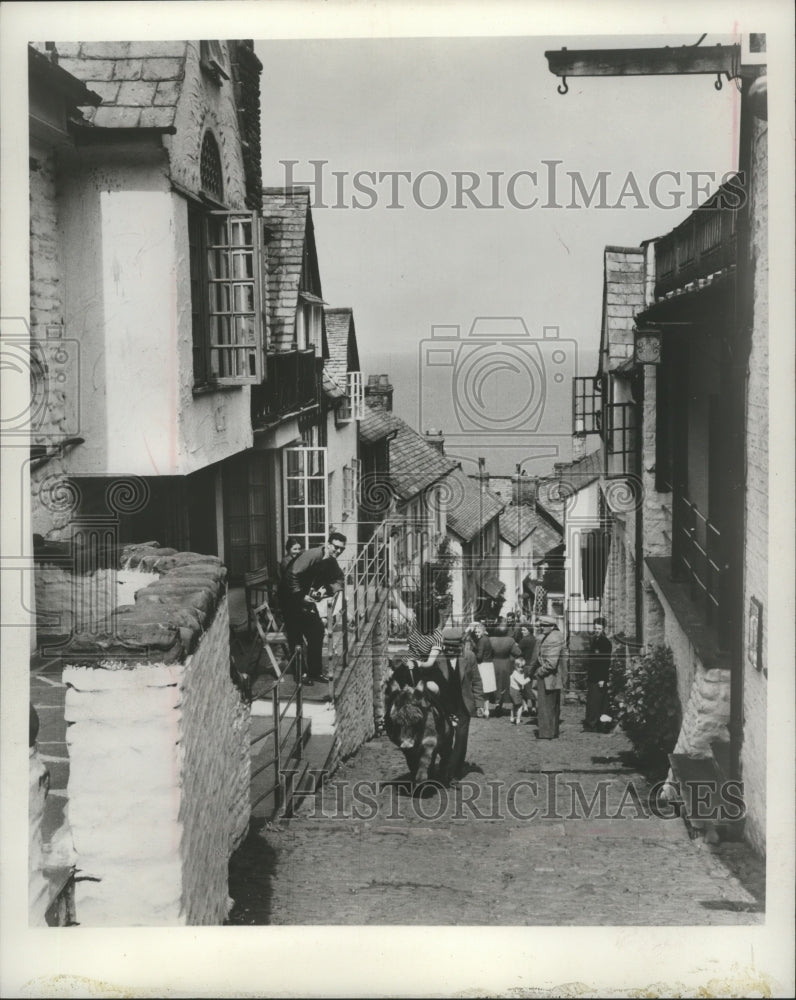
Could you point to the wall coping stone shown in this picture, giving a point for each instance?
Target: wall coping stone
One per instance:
(169, 615)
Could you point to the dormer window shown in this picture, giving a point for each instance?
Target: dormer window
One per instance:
(213, 60)
(309, 317)
(210, 173)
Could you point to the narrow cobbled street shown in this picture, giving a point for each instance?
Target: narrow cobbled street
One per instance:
(552, 832)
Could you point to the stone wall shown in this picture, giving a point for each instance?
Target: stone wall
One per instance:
(357, 697)
(756, 546)
(159, 750)
(707, 713)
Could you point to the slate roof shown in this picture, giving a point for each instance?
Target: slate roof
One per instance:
(469, 510)
(548, 496)
(286, 212)
(545, 539)
(516, 523)
(376, 424)
(414, 464)
(342, 340)
(623, 298)
(582, 472)
(139, 82)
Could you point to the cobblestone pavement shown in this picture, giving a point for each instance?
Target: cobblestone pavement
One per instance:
(478, 854)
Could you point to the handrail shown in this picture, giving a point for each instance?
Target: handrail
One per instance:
(288, 742)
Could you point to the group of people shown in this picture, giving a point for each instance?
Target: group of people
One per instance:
(305, 578)
(512, 666)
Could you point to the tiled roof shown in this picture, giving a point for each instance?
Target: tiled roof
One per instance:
(581, 473)
(286, 215)
(545, 538)
(516, 523)
(549, 496)
(469, 508)
(342, 340)
(414, 464)
(376, 424)
(623, 297)
(139, 82)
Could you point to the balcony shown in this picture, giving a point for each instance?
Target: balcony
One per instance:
(292, 384)
(703, 245)
(699, 560)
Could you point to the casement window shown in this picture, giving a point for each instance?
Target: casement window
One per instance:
(306, 497)
(225, 297)
(586, 404)
(353, 407)
(309, 317)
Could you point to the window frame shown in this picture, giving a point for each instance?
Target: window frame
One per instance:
(353, 406)
(308, 538)
(587, 404)
(244, 364)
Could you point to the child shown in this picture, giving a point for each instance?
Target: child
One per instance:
(517, 682)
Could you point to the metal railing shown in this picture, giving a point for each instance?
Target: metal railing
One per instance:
(286, 740)
(292, 384)
(698, 558)
(367, 580)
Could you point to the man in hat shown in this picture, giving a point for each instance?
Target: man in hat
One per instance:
(549, 679)
(598, 718)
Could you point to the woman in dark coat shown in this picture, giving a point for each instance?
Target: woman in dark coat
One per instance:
(504, 649)
(598, 668)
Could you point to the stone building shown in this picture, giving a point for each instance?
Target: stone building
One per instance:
(680, 403)
(184, 424)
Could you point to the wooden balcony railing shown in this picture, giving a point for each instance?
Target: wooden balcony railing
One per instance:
(292, 384)
(699, 559)
(700, 246)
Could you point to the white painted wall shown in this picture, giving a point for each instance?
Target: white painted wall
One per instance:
(582, 515)
(127, 300)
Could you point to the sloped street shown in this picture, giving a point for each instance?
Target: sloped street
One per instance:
(538, 832)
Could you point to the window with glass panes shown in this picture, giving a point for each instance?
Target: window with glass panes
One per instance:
(586, 404)
(225, 297)
(306, 505)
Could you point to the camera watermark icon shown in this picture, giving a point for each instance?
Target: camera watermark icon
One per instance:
(42, 375)
(499, 385)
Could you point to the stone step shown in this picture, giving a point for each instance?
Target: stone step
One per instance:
(320, 714)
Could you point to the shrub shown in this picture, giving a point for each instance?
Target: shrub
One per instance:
(647, 703)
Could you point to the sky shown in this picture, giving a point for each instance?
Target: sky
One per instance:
(482, 105)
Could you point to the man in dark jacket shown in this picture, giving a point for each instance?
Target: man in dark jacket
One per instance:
(312, 575)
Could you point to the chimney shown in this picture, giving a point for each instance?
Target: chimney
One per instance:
(378, 392)
(436, 439)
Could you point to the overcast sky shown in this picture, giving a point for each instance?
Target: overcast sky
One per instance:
(480, 104)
